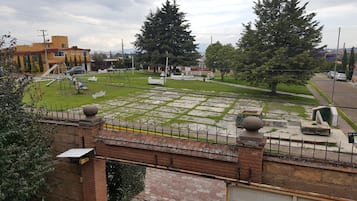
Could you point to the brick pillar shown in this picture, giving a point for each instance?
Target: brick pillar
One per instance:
(250, 151)
(90, 126)
(94, 180)
(93, 172)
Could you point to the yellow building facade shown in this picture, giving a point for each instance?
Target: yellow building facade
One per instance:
(32, 58)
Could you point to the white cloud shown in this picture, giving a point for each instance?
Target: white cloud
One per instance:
(100, 25)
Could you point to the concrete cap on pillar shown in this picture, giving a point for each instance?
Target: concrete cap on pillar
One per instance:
(90, 111)
(91, 119)
(252, 123)
(251, 135)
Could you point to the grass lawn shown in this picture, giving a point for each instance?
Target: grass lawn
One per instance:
(298, 89)
(63, 95)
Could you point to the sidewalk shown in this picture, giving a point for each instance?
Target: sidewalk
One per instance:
(260, 89)
(342, 124)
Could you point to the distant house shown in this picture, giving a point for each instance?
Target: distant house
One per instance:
(32, 58)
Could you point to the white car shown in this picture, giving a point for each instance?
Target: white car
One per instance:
(331, 74)
(341, 77)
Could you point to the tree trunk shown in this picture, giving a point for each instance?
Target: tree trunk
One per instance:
(222, 75)
(273, 87)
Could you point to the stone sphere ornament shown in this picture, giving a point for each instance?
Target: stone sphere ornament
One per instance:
(252, 123)
(90, 110)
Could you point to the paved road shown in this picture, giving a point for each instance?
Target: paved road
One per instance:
(344, 96)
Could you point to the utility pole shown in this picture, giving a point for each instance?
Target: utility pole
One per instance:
(45, 45)
(122, 52)
(166, 66)
(335, 73)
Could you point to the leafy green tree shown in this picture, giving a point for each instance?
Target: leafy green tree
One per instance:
(282, 45)
(166, 33)
(24, 146)
(124, 181)
(220, 57)
(351, 64)
(98, 58)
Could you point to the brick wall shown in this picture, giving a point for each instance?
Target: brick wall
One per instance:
(169, 153)
(311, 177)
(65, 181)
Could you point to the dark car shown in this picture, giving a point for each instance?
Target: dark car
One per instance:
(76, 70)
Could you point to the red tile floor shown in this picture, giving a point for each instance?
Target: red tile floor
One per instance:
(163, 185)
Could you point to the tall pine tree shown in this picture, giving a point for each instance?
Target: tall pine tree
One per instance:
(166, 33)
(281, 46)
(344, 67)
(351, 64)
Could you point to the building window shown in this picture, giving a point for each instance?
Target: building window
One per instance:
(63, 45)
(35, 57)
(59, 54)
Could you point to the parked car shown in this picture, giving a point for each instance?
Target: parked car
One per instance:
(341, 77)
(75, 70)
(331, 74)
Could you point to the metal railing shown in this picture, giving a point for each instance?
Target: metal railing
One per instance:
(276, 147)
(191, 131)
(332, 153)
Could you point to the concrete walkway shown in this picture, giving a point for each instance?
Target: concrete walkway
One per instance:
(260, 89)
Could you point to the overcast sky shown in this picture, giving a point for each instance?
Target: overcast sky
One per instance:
(100, 25)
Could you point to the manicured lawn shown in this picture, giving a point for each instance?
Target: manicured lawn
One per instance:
(298, 89)
(63, 95)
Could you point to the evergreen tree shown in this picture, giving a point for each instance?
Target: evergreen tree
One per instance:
(66, 61)
(351, 64)
(24, 146)
(281, 47)
(124, 181)
(18, 64)
(40, 63)
(75, 61)
(70, 62)
(344, 61)
(166, 33)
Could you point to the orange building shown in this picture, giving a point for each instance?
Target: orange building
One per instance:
(32, 58)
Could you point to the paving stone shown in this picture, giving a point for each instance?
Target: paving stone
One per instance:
(171, 109)
(161, 98)
(117, 102)
(202, 113)
(154, 102)
(161, 114)
(198, 119)
(183, 104)
(139, 105)
(194, 98)
(212, 109)
(215, 104)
